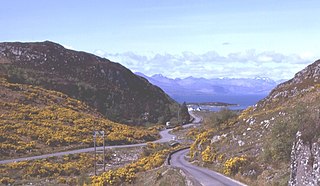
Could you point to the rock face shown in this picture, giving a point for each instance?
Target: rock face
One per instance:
(305, 163)
(107, 86)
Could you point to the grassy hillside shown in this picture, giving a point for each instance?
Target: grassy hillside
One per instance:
(109, 87)
(255, 146)
(34, 120)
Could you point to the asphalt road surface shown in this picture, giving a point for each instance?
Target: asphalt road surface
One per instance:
(202, 175)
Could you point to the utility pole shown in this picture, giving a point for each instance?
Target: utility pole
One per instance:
(100, 134)
(179, 115)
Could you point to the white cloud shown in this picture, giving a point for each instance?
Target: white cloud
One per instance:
(248, 64)
(307, 55)
(99, 52)
(68, 47)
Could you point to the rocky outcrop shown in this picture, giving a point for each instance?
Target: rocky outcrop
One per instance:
(305, 163)
(302, 83)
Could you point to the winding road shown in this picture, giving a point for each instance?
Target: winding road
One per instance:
(165, 137)
(202, 175)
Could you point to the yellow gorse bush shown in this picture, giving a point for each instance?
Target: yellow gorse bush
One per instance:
(233, 165)
(202, 139)
(128, 173)
(208, 155)
(32, 118)
(70, 166)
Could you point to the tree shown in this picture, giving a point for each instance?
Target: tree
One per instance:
(184, 113)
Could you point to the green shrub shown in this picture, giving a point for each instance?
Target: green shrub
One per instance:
(217, 119)
(283, 133)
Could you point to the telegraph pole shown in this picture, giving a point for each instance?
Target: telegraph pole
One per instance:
(179, 116)
(95, 153)
(100, 134)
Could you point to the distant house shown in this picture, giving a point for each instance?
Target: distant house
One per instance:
(169, 125)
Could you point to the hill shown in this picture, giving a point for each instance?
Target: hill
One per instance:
(107, 86)
(34, 120)
(273, 141)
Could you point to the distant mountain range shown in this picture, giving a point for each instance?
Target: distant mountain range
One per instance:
(243, 91)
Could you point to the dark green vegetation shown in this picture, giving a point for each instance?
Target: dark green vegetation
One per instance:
(104, 85)
(283, 133)
(255, 146)
(184, 113)
(217, 119)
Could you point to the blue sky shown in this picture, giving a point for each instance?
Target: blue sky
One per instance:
(204, 38)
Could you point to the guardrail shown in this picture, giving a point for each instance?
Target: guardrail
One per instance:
(170, 154)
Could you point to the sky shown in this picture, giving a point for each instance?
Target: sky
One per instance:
(177, 38)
